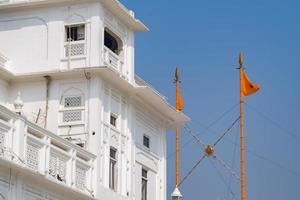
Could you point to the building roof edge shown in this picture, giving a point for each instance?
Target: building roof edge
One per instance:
(112, 5)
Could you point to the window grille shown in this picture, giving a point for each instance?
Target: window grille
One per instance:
(57, 167)
(71, 102)
(74, 40)
(80, 177)
(75, 49)
(32, 156)
(71, 116)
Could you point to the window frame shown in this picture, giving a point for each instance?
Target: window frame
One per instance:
(80, 108)
(69, 26)
(69, 43)
(115, 116)
(117, 38)
(113, 169)
(144, 189)
(149, 140)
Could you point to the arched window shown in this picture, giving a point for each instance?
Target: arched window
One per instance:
(72, 106)
(112, 41)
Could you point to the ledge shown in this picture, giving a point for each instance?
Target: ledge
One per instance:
(114, 6)
(145, 93)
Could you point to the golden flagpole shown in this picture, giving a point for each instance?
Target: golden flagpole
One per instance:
(242, 133)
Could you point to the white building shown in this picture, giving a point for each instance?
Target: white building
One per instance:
(75, 120)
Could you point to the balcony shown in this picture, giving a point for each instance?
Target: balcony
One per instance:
(25, 145)
(113, 60)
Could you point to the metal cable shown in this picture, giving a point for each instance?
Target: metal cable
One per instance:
(226, 167)
(195, 137)
(272, 121)
(222, 179)
(232, 163)
(206, 128)
(227, 130)
(191, 171)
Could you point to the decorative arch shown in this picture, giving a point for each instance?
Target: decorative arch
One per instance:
(75, 18)
(73, 90)
(72, 105)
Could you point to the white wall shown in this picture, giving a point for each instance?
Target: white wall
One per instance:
(34, 40)
(3, 92)
(100, 99)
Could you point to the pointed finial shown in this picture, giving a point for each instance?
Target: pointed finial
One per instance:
(176, 195)
(241, 59)
(177, 74)
(18, 104)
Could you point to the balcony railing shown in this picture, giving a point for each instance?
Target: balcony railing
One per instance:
(25, 144)
(113, 60)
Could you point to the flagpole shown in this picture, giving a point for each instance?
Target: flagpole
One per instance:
(242, 133)
(176, 195)
(177, 135)
(177, 158)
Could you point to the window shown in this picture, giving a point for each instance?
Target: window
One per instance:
(113, 120)
(146, 141)
(144, 184)
(112, 41)
(74, 40)
(75, 32)
(74, 101)
(72, 109)
(113, 169)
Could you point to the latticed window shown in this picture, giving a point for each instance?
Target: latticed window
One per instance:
(80, 177)
(58, 167)
(32, 156)
(75, 49)
(75, 40)
(2, 137)
(72, 116)
(71, 102)
(73, 107)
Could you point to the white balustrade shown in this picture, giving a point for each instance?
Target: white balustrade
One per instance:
(44, 152)
(113, 60)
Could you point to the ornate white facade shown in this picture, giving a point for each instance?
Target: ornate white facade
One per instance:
(75, 120)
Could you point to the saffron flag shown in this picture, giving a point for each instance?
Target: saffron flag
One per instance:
(247, 88)
(179, 103)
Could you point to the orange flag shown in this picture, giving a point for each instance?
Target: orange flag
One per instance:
(179, 103)
(247, 88)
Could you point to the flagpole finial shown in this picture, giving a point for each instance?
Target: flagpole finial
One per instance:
(177, 74)
(241, 59)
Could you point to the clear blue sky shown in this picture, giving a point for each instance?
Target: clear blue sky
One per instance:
(204, 39)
